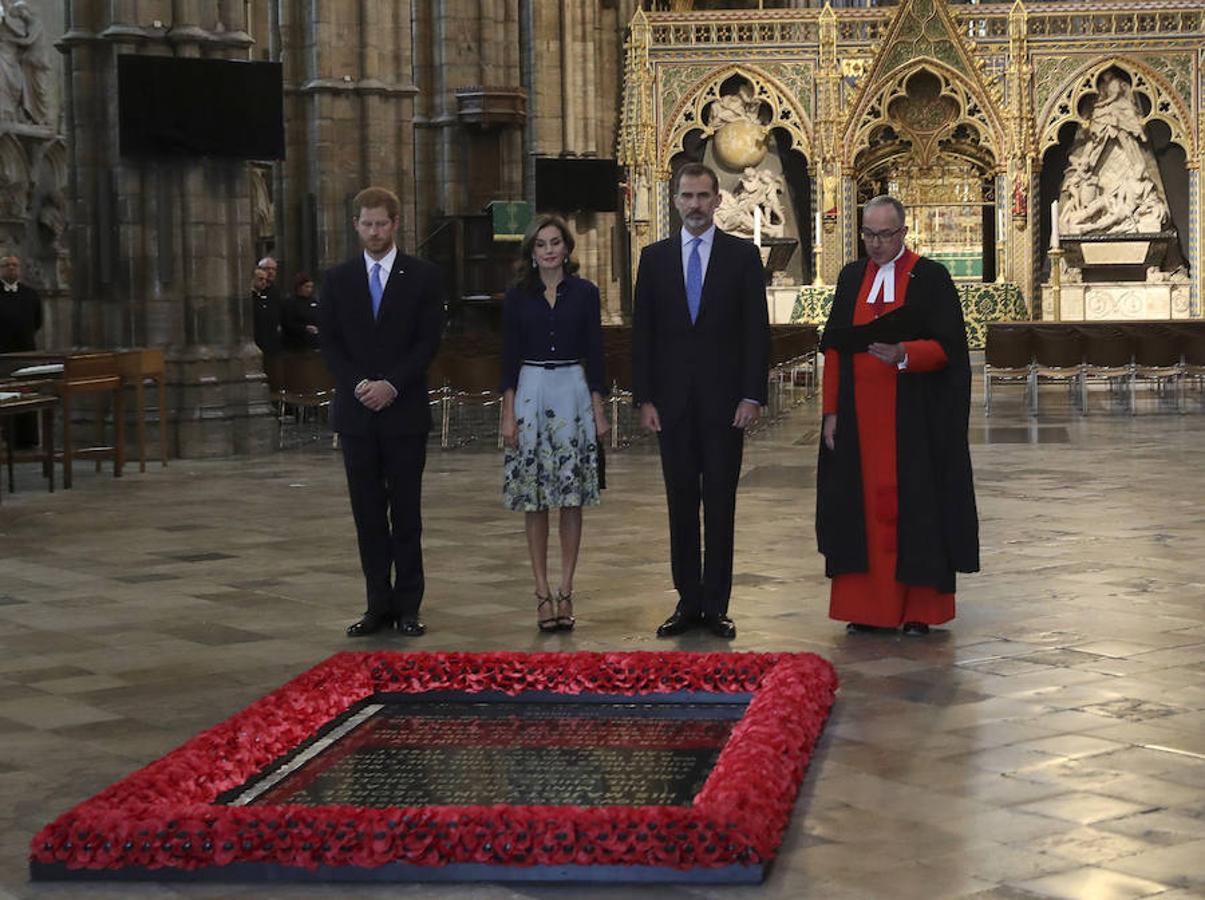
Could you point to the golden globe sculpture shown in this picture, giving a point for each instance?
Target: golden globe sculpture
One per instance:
(740, 144)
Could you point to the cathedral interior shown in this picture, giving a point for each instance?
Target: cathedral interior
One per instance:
(1048, 742)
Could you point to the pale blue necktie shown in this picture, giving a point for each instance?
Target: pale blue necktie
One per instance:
(376, 289)
(694, 279)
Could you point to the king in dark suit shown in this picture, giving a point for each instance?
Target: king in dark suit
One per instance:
(380, 321)
(701, 348)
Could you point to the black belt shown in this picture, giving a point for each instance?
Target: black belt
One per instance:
(552, 363)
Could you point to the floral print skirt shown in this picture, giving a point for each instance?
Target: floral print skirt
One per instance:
(556, 462)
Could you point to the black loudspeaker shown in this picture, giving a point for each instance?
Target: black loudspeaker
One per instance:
(572, 184)
(182, 106)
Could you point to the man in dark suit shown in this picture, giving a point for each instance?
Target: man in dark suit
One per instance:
(701, 348)
(20, 321)
(265, 313)
(380, 321)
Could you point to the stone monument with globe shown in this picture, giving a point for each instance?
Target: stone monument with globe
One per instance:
(755, 198)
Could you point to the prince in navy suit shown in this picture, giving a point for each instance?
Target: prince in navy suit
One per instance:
(380, 321)
(701, 349)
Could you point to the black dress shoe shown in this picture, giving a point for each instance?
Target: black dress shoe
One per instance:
(721, 627)
(369, 623)
(679, 623)
(411, 626)
(916, 628)
(859, 628)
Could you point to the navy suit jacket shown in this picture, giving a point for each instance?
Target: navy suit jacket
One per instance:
(721, 358)
(398, 345)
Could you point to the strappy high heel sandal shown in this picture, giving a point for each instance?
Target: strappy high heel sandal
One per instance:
(564, 611)
(549, 623)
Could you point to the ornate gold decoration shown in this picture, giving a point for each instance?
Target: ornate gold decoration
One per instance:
(923, 36)
(940, 100)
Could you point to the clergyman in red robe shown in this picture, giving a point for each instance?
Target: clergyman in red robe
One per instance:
(896, 515)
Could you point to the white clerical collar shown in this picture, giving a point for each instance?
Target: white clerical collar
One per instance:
(884, 280)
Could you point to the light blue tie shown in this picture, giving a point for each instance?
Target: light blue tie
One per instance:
(694, 280)
(376, 289)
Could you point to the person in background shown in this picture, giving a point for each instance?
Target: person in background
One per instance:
(553, 385)
(265, 313)
(299, 316)
(20, 322)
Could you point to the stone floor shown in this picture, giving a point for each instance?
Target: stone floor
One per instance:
(1049, 742)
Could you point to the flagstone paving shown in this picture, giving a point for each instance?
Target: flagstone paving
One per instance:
(1049, 742)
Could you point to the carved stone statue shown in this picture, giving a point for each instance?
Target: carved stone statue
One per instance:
(756, 190)
(743, 106)
(1112, 184)
(24, 68)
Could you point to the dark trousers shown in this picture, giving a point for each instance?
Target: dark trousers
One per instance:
(701, 462)
(384, 481)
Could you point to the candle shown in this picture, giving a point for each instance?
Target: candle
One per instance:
(1054, 225)
(757, 225)
(818, 228)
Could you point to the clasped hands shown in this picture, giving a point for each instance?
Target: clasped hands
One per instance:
(375, 394)
(892, 354)
(747, 413)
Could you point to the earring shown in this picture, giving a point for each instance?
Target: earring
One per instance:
(534, 264)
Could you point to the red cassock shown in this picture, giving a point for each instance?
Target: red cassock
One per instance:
(875, 597)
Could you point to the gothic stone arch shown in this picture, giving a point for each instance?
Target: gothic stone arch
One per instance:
(1165, 104)
(785, 111)
(973, 110)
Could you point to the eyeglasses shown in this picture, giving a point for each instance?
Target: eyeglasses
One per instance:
(873, 236)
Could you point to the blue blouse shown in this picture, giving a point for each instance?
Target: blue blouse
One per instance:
(569, 329)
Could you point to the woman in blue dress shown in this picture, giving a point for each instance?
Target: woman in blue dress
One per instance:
(553, 418)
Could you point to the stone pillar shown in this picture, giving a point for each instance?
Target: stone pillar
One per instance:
(162, 249)
(349, 109)
(33, 167)
(574, 96)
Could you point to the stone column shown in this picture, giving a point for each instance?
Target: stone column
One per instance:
(33, 168)
(349, 111)
(574, 96)
(162, 248)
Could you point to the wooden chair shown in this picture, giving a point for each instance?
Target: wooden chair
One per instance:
(137, 367)
(1108, 357)
(304, 382)
(1008, 357)
(1158, 359)
(1058, 356)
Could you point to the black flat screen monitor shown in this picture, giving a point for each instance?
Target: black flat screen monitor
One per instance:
(176, 106)
(569, 184)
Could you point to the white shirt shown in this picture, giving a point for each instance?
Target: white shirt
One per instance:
(706, 239)
(386, 262)
(10, 288)
(884, 280)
